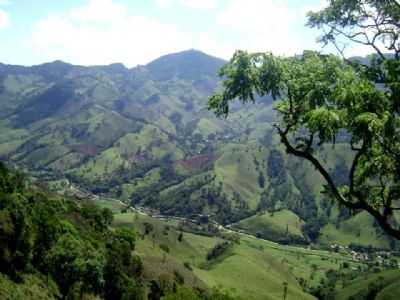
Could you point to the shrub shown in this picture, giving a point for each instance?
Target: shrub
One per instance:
(164, 247)
(187, 266)
(218, 250)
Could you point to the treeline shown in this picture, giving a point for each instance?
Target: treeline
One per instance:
(66, 242)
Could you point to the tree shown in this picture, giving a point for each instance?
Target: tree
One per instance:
(121, 267)
(323, 97)
(72, 261)
(285, 289)
(180, 237)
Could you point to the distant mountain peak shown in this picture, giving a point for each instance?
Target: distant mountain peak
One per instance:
(57, 62)
(188, 64)
(189, 53)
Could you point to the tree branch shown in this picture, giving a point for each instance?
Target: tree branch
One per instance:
(353, 168)
(318, 166)
(360, 204)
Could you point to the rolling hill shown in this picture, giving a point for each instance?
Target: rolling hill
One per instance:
(144, 135)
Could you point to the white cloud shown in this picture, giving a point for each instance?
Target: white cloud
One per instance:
(267, 25)
(210, 44)
(314, 7)
(88, 35)
(104, 31)
(101, 11)
(4, 19)
(5, 2)
(163, 3)
(199, 4)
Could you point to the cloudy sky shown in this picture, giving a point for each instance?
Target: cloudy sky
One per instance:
(133, 32)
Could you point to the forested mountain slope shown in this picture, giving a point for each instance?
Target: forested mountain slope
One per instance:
(144, 135)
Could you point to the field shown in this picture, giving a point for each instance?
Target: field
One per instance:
(280, 224)
(254, 268)
(357, 230)
(389, 282)
(112, 204)
(31, 285)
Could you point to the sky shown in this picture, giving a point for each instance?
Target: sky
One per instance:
(134, 32)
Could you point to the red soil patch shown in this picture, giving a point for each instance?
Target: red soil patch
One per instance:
(196, 162)
(86, 149)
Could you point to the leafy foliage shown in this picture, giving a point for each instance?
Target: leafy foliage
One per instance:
(322, 96)
(69, 242)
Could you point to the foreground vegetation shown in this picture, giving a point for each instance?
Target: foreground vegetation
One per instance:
(253, 268)
(52, 247)
(61, 247)
(325, 98)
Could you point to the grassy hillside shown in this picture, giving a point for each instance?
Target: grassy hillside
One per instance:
(384, 285)
(30, 287)
(264, 277)
(392, 291)
(145, 136)
(255, 269)
(279, 225)
(53, 247)
(357, 230)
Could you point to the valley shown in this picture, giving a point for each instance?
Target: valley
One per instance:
(200, 150)
(144, 136)
(253, 268)
(191, 186)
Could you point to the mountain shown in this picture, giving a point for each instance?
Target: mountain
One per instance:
(185, 65)
(144, 135)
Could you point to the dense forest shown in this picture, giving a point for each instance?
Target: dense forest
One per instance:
(59, 248)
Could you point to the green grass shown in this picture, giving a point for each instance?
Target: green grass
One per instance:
(206, 127)
(152, 177)
(357, 230)
(67, 162)
(254, 273)
(391, 292)
(193, 248)
(236, 170)
(8, 147)
(127, 151)
(46, 155)
(256, 268)
(389, 279)
(112, 204)
(279, 224)
(10, 134)
(167, 125)
(31, 287)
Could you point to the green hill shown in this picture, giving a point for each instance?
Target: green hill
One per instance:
(57, 247)
(383, 285)
(283, 225)
(144, 135)
(254, 268)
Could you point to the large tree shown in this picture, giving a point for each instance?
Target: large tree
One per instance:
(326, 97)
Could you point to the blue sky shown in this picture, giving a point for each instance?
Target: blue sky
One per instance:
(91, 32)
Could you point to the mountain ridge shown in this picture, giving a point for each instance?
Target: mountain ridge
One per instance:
(144, 135)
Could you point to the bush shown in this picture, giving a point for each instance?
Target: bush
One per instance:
(165, 248)
(218, 250)
(68, 242)
(187, 266)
